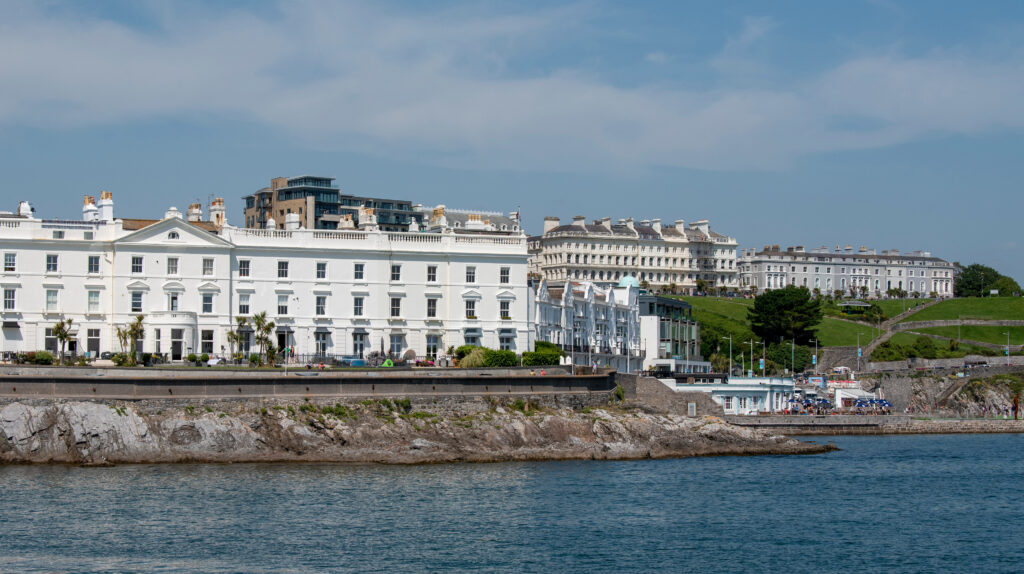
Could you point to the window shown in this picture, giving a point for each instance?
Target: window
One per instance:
(322, 341)
(207, 302)
(92, 342)
(136, 264)
(396, 306)
(431, 273)
(470, 274)
(136, 301)
(207, 341)
(243, 303)
(397, 342)
(282, 304)
(51, 299)
(396, 272)
(208, 266)
(10, 260)
(431, 308)
(321, 305)
(282, 269)
(321, 270)
(503, 275)
(172, 301)
(94, 264)
(504, 309)
(471, 309)
(472, 338)
(49, 341)
(243, 268)
(358, 343)
(58, 234)
(433, 344)
(357, 306)
(172, 235)
(94, 301)
(507, 343)
(357, 271)
(51, 263)
(8, 299)
(728, 404)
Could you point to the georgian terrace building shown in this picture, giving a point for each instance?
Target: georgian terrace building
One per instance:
(870, 273)
(329, 292)
(661, 255)
(591, 323)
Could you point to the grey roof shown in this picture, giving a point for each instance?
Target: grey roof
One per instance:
(647, 233)
(511, 225)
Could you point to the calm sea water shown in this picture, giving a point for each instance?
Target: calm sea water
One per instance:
(882, 504)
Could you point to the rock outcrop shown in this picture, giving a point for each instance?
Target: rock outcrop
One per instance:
(379, 430)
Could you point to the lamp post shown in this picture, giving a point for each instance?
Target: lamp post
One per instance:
(729, 369)
(751, 355)
(764, 356)
(1007, 348)
(792, 357)
(858, 351)
(815, 356)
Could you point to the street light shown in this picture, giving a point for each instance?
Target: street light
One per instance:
(858, 351)
(815, 365)
(729, 370)
(792, 357)
(1007, 348)
(751, 356)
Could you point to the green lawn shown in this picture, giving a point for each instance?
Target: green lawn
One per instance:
(907, 339)
(985, 334)
(973, 308)
(730, 315)
(893, 307)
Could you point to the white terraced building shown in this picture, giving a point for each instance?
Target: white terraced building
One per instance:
(344, 292)
(660, 255)
(591, 323)
(864, 271)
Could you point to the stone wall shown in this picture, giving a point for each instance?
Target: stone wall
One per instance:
(653, 395)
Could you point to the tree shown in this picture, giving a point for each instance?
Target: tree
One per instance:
(975, 280)
(837, 294)
(672, 287)
(702, 287)
(853, 292)
(236, 337)
(263, 329)
(1006, 286)
(62, 332)
(864, 291)
(783, 314)
(133, 332)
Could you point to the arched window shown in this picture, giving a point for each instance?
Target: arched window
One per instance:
(172, 235)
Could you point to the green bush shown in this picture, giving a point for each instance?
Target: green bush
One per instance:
(925, 347)
(204, 357)
(119, 359)
(191, 358)
(474, 360)
(541, 359)
(42, 358)
(546, 347)
(254, 360)
(464, 350)
(493, 358)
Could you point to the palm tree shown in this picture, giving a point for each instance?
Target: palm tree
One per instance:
(133, 332)
(702, 287)
(263, 329)
(62, 332)
(236, 337)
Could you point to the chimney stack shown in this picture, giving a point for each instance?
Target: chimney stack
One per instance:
(89, 211)
(106, 206)
(551, 223)
(217, 213)
(195, 212)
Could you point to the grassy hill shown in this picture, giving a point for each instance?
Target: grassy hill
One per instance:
(730, 316)
(891, 307)
(985, 334)
(972, 308)
(903, 341)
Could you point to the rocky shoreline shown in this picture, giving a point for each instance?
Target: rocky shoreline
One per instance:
(391, 431)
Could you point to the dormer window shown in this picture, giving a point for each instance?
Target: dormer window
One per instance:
(172, 235)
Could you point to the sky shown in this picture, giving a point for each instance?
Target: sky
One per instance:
(893, 125)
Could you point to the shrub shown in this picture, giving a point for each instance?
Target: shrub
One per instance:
(925, 347)
(541, 359)
(119, 359)
(493, 358)
(42, 358)
(191, 358)
(254, 360)
(474, 360)
(546, 347)
(461, 352)
(204, 357)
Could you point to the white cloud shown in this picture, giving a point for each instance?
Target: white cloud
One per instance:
(656, 58)
(439, 88)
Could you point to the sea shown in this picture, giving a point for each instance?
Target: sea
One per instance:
(925, 503)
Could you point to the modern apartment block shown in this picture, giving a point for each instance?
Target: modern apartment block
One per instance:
(662, 256)
(861, 273)
(320, 204)
(329, 292)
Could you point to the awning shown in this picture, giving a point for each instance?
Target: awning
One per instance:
(10, 324)
(285, 329)
(472, 330)
(322, 330)
(360, 331)
(506, 331)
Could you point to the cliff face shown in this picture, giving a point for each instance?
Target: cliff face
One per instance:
(369, 431)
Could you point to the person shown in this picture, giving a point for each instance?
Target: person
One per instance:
(593, 367)
(531, 372)
(543, 372)
(320, 366)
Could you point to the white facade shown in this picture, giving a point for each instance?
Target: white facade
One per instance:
(865, 272)
(669, 336)
(329, 292)
(591, 323)
(661, 255)
(743, 395)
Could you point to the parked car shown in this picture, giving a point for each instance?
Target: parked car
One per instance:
(106, 355)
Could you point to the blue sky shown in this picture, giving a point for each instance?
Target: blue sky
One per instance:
(886, 124)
